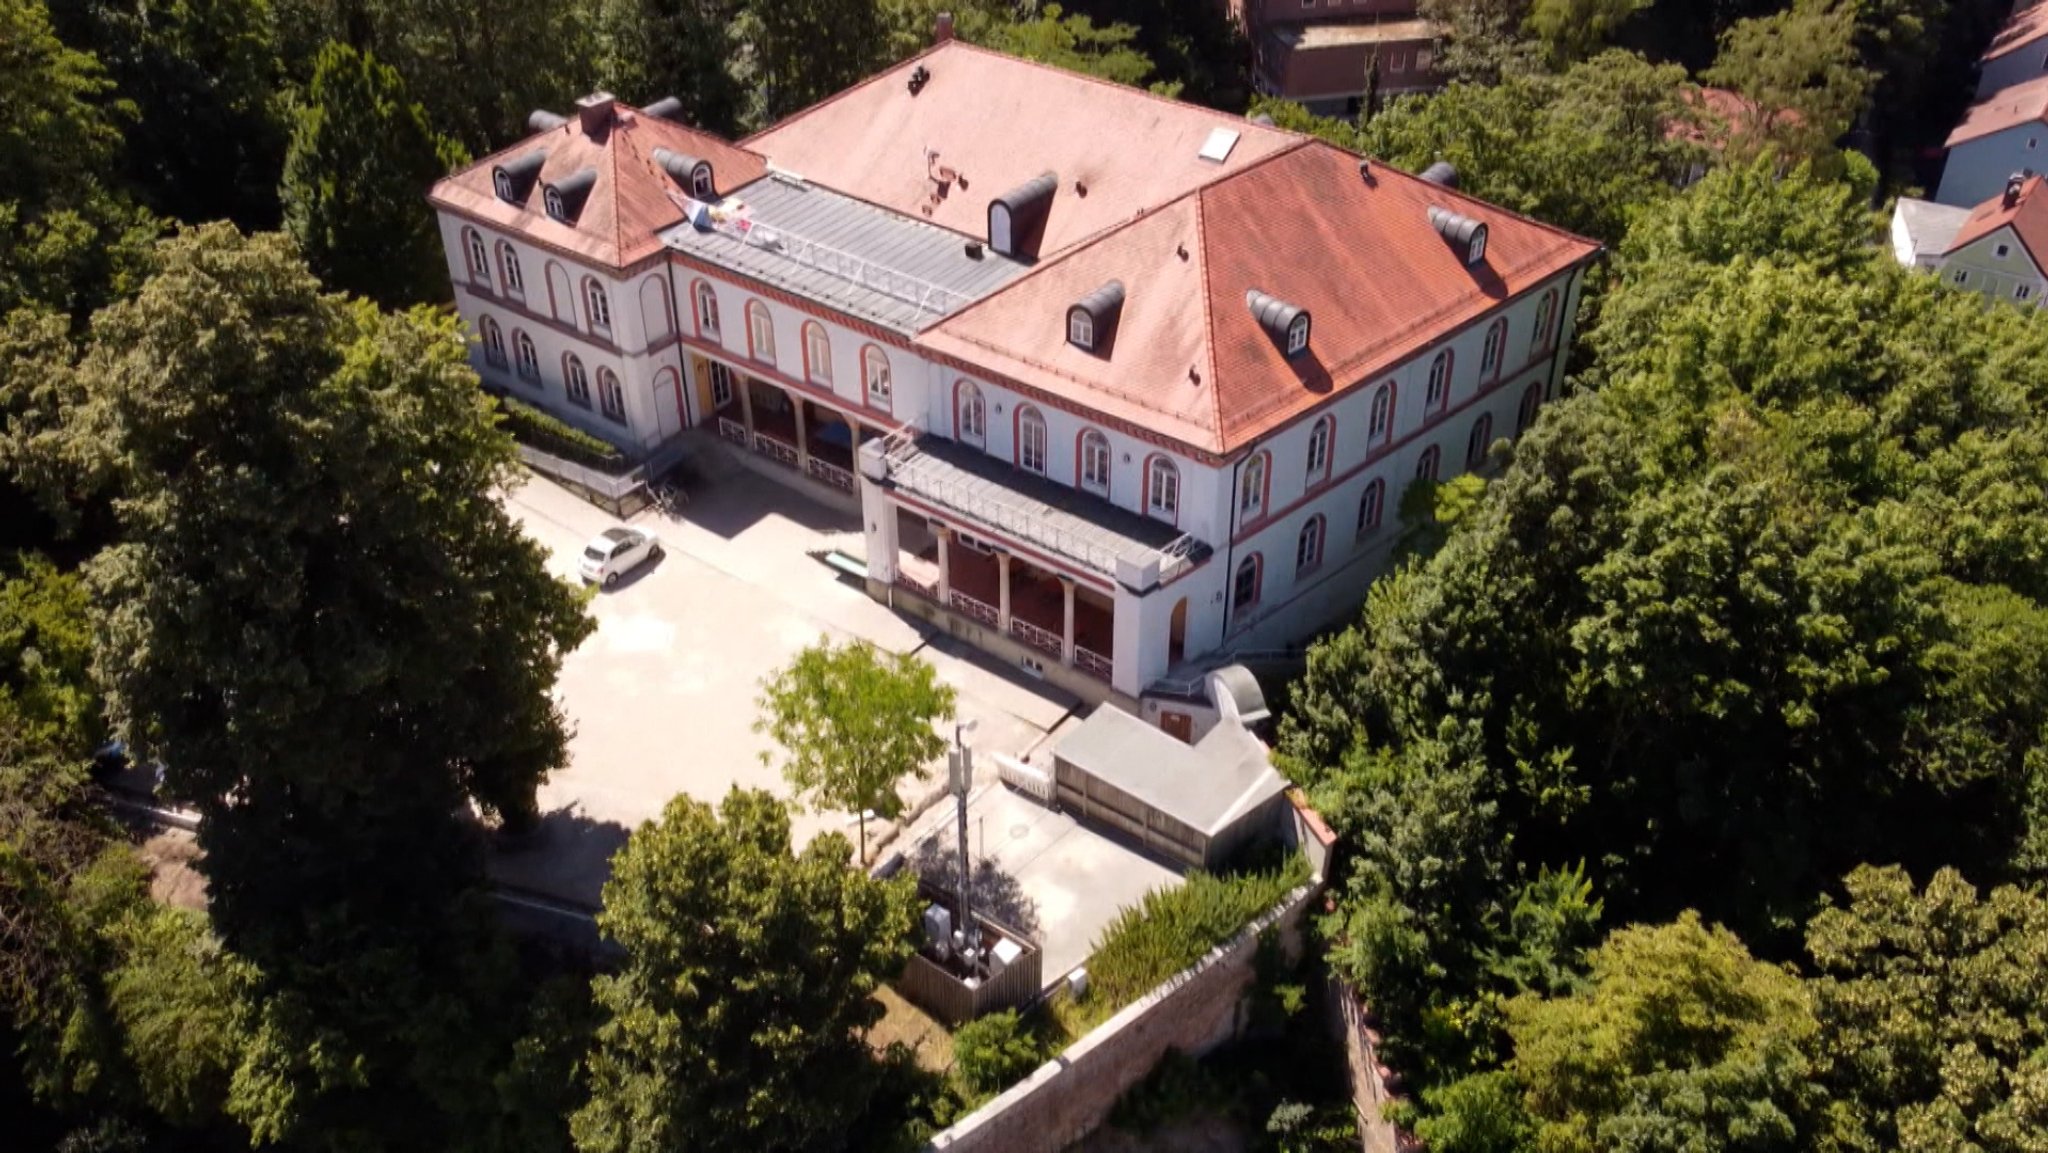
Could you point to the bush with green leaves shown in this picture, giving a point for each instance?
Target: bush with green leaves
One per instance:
(995, 1052)
(1172, 929)
(531, 426)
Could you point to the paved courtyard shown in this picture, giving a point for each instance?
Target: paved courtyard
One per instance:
(662, 696)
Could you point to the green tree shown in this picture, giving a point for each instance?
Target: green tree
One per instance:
(1582, 150)
(362, 156)
(1801, 79)
(181, 1002)
(1930, 1005)
(994, 1052)
(47, 698)
(65, 237)
(1075, 43)
(735, 1021)
(798, 52)
(1682, 1042)
(649, 49)
(321, 475)
(1483, 42)
(1574, 29)
(852, 722)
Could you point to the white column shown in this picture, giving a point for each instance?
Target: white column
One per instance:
(746, 388)
(1067, 637)
(878, 513)
(945, 536)
(803, 440)
(1003, 593)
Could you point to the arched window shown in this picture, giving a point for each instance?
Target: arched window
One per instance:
(1162, 489)
(508, 264)
(1439, 382)
(1308, 547)
(610, 397)
(874, 366)
(1371, 507)
(576, 380)
(707, 310)
(1496, 343)
(1080, 328)
(1381, 423)
(760, 332)
(1546, 312)
(1095, 462)
(494, 341)
(1532, 403)
(970, 414)
(817, 354)
(525, 355)
(1244, 585)
(597, 306)
(1426, 464)
(700, 183)
(1477, 440)
(1251, 489)
(1030, 440)
(1319, 439)
(479, 256)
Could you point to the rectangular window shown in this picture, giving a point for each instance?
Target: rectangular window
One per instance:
(2022, 291)
(879, 386)
(721, 385)
(1397, 60)
(1961, 276)
(1423, 59)
(818, 354)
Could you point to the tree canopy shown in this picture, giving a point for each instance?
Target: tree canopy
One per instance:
(735, 1021)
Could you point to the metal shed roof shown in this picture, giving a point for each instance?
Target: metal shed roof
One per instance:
(898, 272)
(1205, 786)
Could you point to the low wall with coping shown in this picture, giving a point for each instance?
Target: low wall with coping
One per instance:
(1372, 1087)
(1194, 1011)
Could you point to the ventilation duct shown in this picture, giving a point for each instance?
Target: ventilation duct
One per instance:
(541, 120)
(1443, 173)
(564, 198)
(667, 108)
(1016, 219)
(513, 179)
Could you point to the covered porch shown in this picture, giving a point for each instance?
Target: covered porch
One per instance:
(1050, 612)
(794, 431)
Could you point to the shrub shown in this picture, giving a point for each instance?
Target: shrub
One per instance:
(1173, 928)
(994, 1052)
(531, 426)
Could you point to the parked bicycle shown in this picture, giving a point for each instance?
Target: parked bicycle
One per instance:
(668, 497)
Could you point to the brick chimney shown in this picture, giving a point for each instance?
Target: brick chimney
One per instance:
(595, 113)
(942, 28)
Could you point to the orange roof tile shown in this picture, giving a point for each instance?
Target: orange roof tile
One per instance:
(2007, 108)
(629, 205)
(997, 122)
(2027, 24)
(1188, 360)
(2028, 216)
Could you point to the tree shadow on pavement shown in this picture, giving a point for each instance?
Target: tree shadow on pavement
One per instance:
(995, 893)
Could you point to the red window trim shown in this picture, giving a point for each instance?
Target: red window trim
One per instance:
(1322, 544)
(1265, 509)
(803, 334)
(960, 387)
(697, 287)
(1379, 507)
(1258, 562)
(1081, 461)
(867, 392)
(1145, 489)
(1329, 420)
(1017, 439)
(1450, 359)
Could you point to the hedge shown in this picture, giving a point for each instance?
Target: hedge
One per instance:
(1173, 928)
(533, 427)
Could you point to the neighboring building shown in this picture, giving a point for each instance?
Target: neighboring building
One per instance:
(1119, 382)
(1318, 54)
(1997, 137)
(2018, 53)
(1998, 249)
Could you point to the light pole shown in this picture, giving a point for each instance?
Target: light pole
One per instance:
(961, 765)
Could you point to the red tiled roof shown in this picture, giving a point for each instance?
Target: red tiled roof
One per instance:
(2028, 217)
(2007, 108)
(1187, 359)
(998, 121)
(2027, 24)
(627, 207)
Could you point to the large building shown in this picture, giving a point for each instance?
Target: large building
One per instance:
(1998, 249)
(2006, 130)
(1119, 383)
(1320, 54)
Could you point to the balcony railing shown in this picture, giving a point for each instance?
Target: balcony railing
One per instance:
(1044, 640)
(968, 606)
(831, 474)
(775, 450)
(1094, 664)
(912, 584)
(732, 430)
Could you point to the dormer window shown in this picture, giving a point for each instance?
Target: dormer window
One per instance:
(688, 172)
(1091, 322)
(1286, 324)
(513, 179)
(1080, 330)
(1464, 234)
(502, 184)
(564, 198)
(1475, 251)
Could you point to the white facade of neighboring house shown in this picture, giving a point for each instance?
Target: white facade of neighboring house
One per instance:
(1214, 463)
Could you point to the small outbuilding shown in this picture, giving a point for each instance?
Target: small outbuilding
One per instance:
(1197, 804)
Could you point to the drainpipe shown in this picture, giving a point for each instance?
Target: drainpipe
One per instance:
(1230, 535)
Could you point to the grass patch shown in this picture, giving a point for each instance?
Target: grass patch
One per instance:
(531, 426)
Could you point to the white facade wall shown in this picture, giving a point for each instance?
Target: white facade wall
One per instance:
(1977, 170)
(848, 384)
(1998, 267)
(2018, 66)
(553, 311)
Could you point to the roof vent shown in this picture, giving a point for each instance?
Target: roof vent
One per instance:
(1263, 120)
(919, 77)
(688, 171)
(1091, 320)
(974, 250)
(1443, 173)
(513, 179)
(2013, 185)
(595, 111)
(1462, 232)
(942, 28)
(1286, 323)
(1016, 219)
(541, 120)
(1217, 147)
(1365, 170)
(564, 198)
(667, 108)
